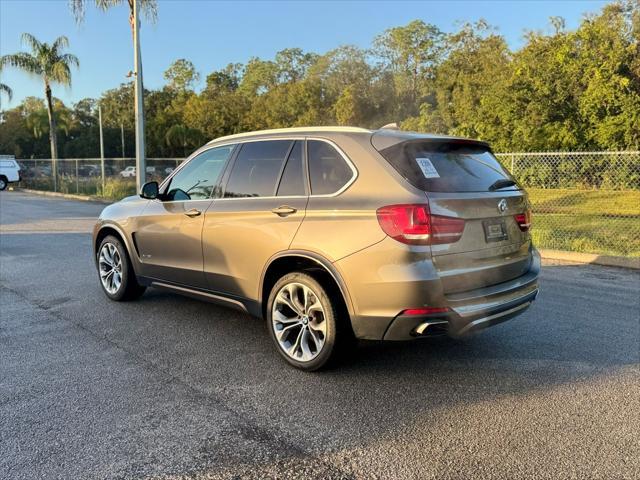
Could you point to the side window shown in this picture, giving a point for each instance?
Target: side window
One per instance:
(292, 181)
(328, 171)
(256, 169)
(197, 179)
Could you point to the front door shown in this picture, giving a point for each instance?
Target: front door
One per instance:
(264, 202)
(168, 234)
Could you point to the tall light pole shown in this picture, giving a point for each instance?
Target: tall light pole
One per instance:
(139, 99)
(101, 146)
(122, 137)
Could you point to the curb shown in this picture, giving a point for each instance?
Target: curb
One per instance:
(575, 257)
(592, 258)
(70, 196)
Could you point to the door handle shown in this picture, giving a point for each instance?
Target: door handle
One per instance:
(194, 212)
(284, 210)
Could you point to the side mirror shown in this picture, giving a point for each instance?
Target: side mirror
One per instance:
(149, 190)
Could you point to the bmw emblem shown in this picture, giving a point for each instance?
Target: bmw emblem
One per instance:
(502, 206)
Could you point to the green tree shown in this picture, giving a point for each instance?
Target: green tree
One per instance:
(181, 75)
(467, 90)
(48, 62)
(412, 53)
(184, 138)
(292, 64)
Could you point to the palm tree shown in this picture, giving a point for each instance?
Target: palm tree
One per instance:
(37, 120)
(49, 63)
(4, 88)
(148, 7)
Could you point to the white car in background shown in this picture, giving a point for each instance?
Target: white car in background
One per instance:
(9, 171)
(131, 171)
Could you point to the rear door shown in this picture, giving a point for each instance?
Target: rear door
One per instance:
(262, 206)
(462, 179)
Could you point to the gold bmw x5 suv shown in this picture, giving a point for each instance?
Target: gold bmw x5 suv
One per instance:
(331, 234)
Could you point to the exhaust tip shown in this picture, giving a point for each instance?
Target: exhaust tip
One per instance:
(431, 328)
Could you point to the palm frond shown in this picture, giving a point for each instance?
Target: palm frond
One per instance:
(60, 43)
(70, 59)
(105, 5)
(32, 42)
(149, 9)
(23, 61)
(61, 73)
(7, 90)
(78, 7)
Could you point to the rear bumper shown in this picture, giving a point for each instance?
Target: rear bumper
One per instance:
(472, 311)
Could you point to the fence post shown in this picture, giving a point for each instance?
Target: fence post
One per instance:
(77, 178)
(513, 163)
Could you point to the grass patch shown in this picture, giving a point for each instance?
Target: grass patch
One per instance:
(585, 202)
(114, 188)
(605, 222)
(587, 234)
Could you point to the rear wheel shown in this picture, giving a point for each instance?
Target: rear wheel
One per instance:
(301, 319)
(3, 182)
(117, 277)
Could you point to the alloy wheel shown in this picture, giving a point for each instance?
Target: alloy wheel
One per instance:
(298, 321)
(110, 267)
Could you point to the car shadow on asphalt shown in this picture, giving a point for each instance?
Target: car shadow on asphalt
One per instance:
(548, 346)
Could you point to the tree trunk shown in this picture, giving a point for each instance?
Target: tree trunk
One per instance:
(52, 136)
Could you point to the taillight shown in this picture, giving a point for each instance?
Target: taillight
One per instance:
(523, 220)
(413, 224)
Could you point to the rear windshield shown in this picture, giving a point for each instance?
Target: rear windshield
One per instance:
(447, 167)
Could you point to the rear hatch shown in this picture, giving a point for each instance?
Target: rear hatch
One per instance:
(462, 179)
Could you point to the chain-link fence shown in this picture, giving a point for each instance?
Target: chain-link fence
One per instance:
(83, 176)
(581, 201)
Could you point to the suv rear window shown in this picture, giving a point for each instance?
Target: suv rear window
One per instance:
(328, 171)
(447, 167)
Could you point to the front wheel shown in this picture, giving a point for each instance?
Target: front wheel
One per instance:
(117, 277)
(301, 319)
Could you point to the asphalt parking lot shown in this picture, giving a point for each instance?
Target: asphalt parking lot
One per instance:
(170, 387)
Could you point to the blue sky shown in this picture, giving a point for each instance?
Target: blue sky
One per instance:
(214, 33)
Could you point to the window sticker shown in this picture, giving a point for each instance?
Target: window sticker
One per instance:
(428, 170)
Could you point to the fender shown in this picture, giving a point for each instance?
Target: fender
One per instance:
(123, 236)
(320, 260)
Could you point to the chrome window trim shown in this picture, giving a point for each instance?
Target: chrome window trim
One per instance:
(206, 147)
(344, 156)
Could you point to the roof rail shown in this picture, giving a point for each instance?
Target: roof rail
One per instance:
(292, 130)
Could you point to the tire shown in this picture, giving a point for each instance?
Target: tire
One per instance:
(3, 182)
(113, 265)
(306, 338)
